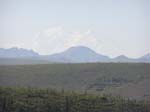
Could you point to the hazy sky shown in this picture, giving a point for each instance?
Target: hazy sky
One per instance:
(110, 27)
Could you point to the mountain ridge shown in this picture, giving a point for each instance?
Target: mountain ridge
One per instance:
(79, 54)
(75, 54)
(15, 52)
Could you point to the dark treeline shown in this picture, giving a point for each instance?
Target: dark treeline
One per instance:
(50, 100)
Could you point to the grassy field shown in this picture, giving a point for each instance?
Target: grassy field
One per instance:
(90, 77)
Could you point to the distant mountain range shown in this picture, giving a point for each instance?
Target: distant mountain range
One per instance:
(17, 53)
(79, 54)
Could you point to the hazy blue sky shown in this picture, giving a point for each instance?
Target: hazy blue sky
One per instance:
(110, 27)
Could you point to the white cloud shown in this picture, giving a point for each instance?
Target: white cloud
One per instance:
(58, 39)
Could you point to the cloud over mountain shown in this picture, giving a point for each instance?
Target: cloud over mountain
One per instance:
(59, 39)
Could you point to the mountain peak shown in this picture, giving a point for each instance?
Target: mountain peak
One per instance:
(80, 50)
(80, 54)
(146, 56)
(16, 52)
(79, 47)
(122, 57)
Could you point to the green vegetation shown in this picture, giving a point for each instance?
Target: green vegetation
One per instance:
(42, 88)
(91, 77)
(50, 100)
